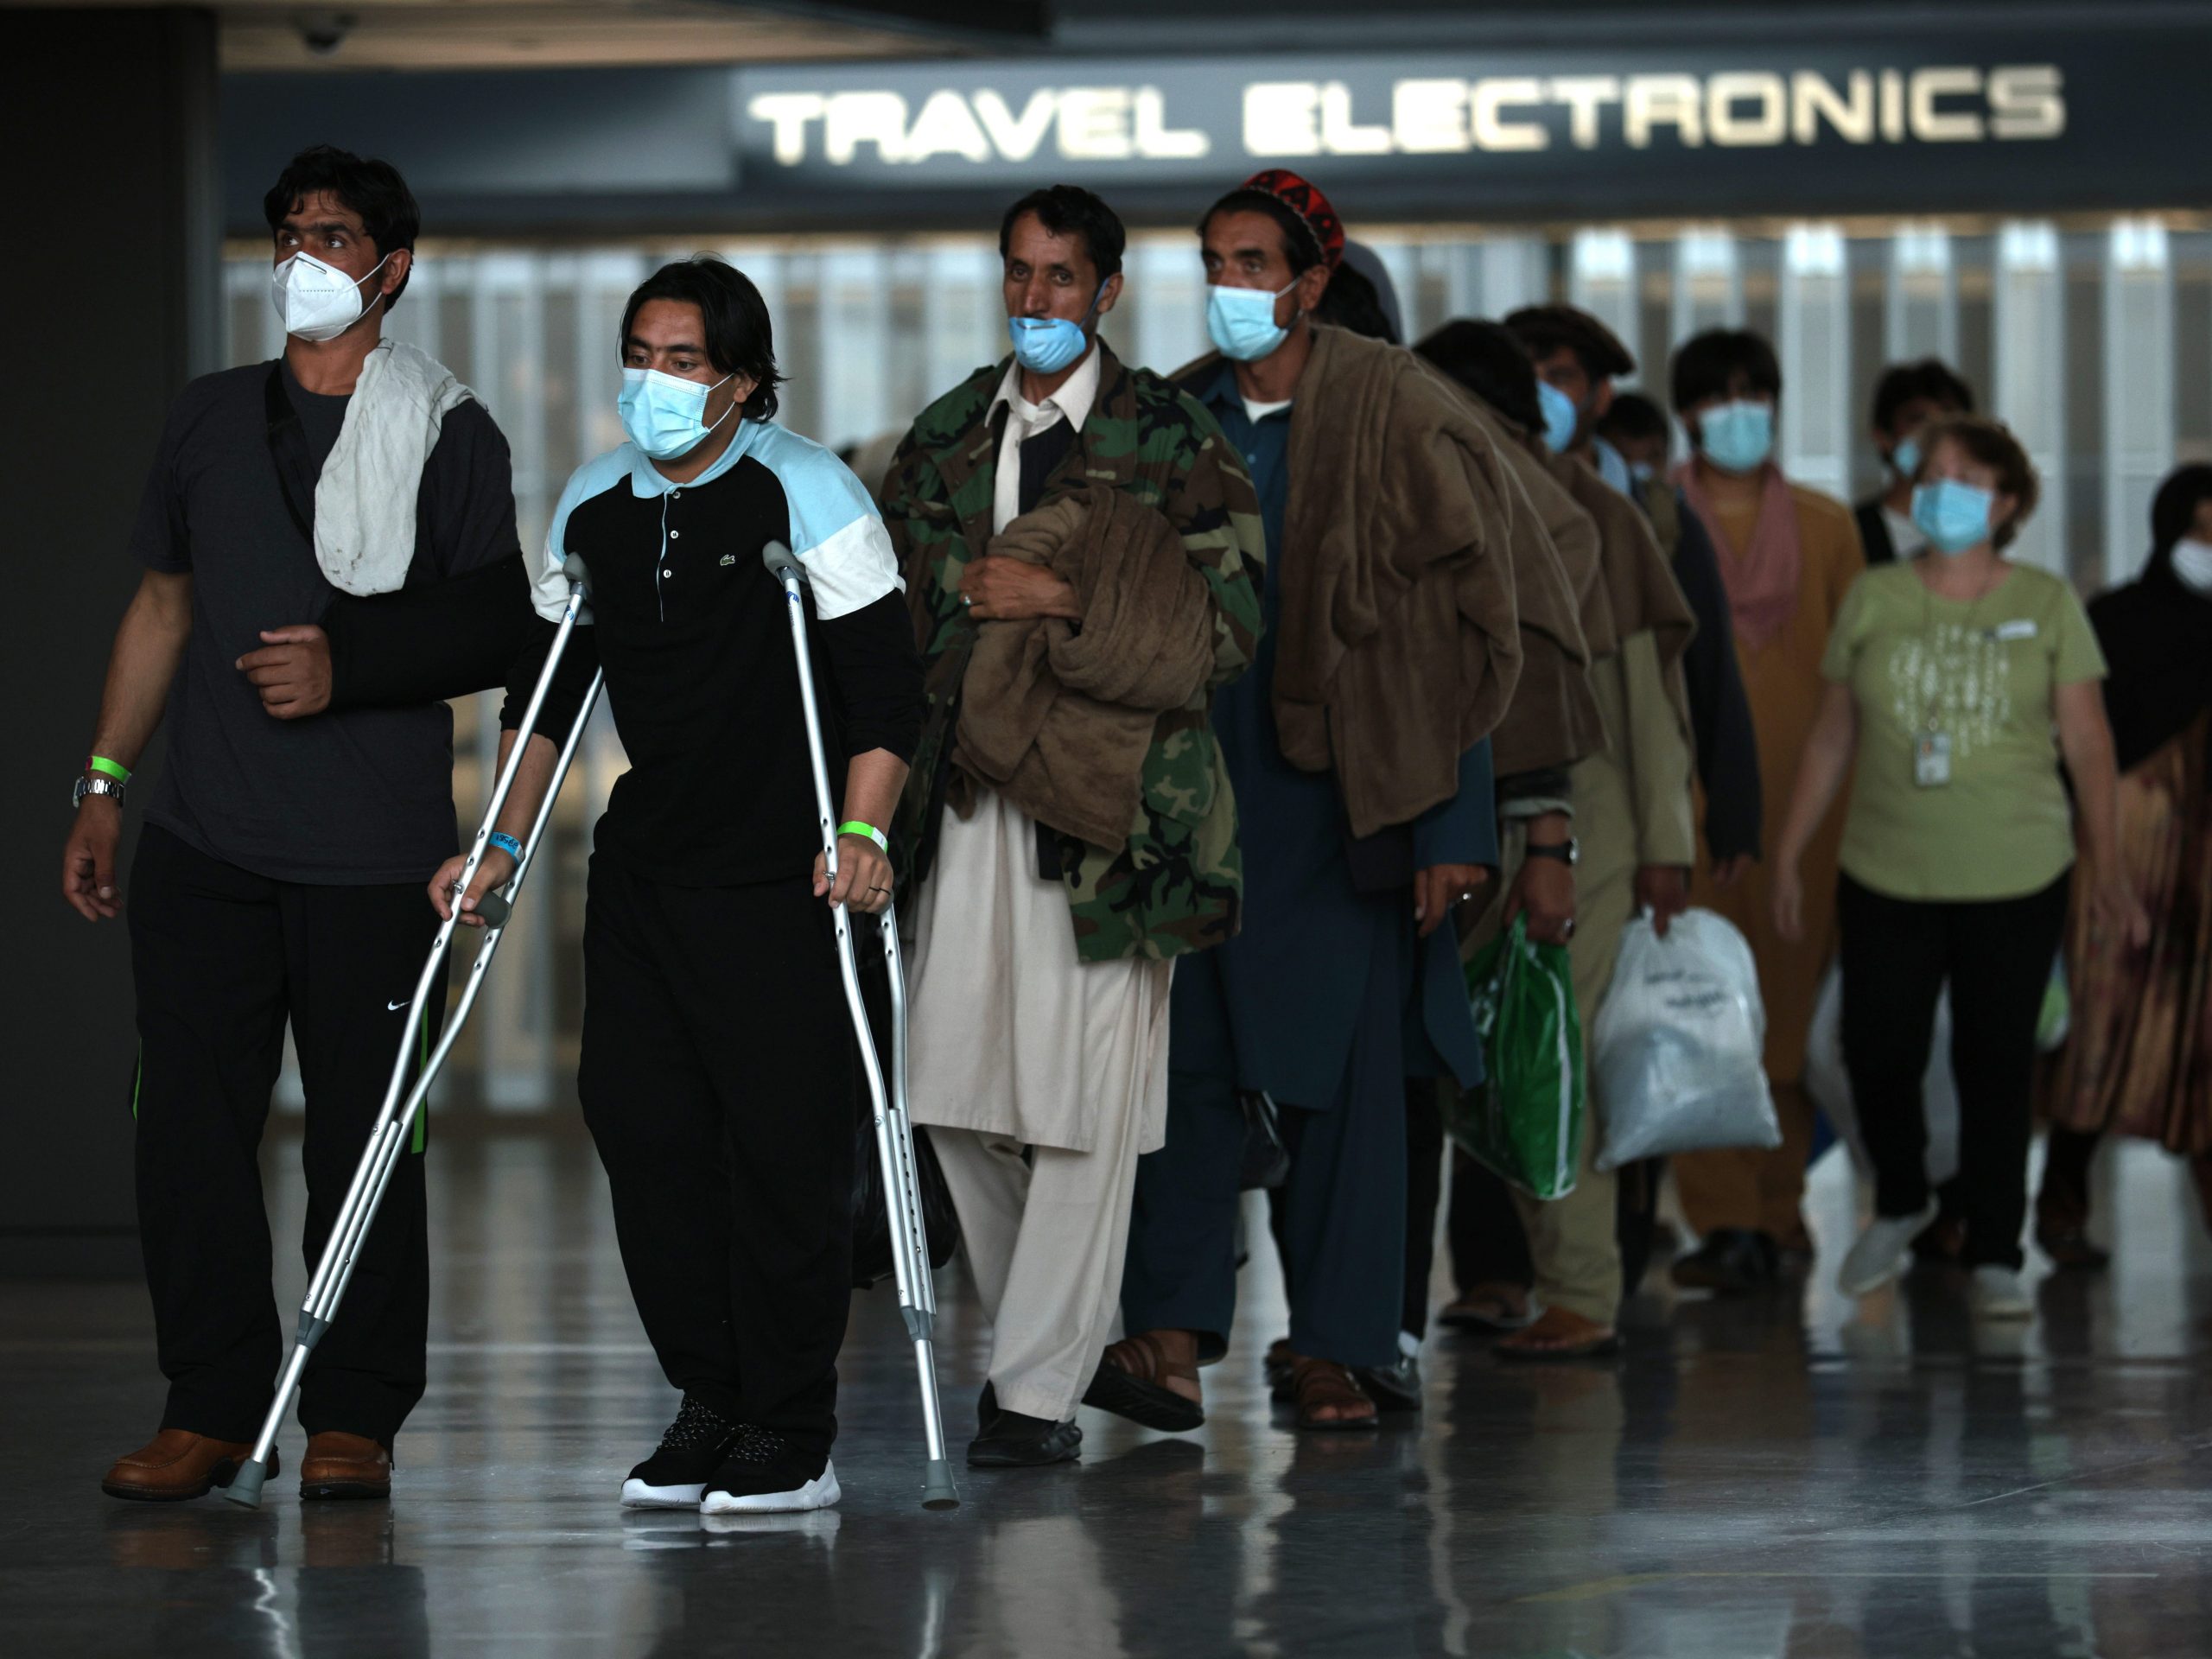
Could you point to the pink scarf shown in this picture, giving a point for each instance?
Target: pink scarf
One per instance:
(1762, 581)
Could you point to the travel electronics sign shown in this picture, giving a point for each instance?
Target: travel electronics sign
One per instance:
(1994, 121)
(2018, 120)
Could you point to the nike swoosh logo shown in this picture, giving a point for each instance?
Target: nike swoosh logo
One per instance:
(394, 1007)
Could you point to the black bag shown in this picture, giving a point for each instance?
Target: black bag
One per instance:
(872, 1241)
(872, 1218)
(1265, 1161)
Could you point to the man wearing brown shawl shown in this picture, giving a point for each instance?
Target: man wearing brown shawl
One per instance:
(1632, 804)
(1358, 745)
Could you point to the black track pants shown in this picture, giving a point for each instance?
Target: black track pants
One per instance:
(719, 1080)
(1996, 954)
(220, 958)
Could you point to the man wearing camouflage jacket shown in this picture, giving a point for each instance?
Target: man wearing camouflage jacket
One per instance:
(1081, 551)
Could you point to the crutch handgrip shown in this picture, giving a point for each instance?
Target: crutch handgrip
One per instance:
(578, 575)
(782, 563)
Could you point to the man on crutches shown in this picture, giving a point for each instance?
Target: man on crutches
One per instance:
(719, 1072)
(277, 875)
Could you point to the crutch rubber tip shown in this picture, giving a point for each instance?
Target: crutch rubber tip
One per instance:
(937, 1490)
(244, 1489)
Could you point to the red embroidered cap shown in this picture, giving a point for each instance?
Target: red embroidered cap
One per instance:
(1312, 207)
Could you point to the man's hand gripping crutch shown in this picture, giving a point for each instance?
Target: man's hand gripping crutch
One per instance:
(401, 1104)
(894, 1138)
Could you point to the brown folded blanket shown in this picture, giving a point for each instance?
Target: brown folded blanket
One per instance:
(1399, 645)
(1058, 717)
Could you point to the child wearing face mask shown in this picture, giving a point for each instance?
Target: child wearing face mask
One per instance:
(1787, 554)
(2137, 1059)
(1957, 683)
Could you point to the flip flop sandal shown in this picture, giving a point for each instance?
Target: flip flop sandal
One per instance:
(1485, 1314)
(1134, 1388)
(1320, 1384)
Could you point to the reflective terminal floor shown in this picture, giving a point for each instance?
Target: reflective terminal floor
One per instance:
(1792, 1476)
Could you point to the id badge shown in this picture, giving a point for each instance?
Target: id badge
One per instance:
(1931, 759)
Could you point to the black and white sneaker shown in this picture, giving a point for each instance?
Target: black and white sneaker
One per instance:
(676, 1473)
(765, 1474)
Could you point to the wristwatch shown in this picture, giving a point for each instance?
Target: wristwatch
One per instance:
(94, 783)
(1568, 852)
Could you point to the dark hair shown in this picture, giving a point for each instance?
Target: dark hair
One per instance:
(1707, 365)
(1349, 302)
(2173, 510)
(1070, 210)
(1634, 415)
(1990, 443)
(390, 218)
(1488, 360)
(739, 339)
(1545, 329)
(1301, 243)
(1930, 378)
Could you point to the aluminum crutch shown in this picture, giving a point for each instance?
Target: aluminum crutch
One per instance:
(894, 1135)
(396, 1118)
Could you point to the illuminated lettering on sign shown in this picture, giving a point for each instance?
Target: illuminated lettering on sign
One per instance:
(1428, 115)
(1086, 123)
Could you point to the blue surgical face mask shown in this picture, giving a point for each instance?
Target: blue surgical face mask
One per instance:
(1241, 321)
(661, 412)
(1047, 345)
(1737, 437)
(1561, 417)
(1904, 460)
(1643, 471)
(1954, 516)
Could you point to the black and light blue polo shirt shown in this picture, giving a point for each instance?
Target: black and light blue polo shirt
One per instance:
(692, 632)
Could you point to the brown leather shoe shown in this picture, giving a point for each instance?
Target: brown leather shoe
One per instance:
(177, 1465)
(344, 1465)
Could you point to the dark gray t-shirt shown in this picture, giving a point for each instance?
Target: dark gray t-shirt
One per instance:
(360, 796)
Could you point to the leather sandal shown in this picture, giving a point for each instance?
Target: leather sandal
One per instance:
(1319, 1385)
(1130, 1382)
(1560, 1336)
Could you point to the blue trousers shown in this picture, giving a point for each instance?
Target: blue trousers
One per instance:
(1343, 1207)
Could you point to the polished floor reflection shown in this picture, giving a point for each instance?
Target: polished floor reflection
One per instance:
(1796, 1475)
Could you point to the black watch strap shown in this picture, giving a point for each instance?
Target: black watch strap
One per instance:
(1567, 852)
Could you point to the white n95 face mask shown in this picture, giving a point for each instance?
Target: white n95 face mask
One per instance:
(317, 301)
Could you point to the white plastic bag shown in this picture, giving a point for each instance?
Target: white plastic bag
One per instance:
(1829, 1085)
(1677, 1052)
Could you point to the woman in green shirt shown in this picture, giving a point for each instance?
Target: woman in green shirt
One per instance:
(1957, 681)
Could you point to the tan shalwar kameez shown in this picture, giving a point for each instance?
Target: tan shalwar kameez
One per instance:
(1742, 1186)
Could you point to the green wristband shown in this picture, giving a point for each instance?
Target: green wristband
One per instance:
(856, 828)
(114, 769)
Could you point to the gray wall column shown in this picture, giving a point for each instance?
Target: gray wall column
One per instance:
(108, 165)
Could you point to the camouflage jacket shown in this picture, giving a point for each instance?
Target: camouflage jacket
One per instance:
(1177, 885)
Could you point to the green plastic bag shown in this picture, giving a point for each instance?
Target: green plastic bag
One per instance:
(1524, 1121)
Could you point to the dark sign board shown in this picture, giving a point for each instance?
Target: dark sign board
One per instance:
(2016, 120)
